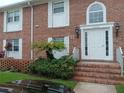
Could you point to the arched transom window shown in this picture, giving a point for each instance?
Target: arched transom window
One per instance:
(96, 13)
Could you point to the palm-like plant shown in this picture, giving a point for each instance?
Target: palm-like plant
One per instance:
(48, 47)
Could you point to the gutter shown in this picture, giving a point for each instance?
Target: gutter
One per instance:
(32, 28)
(14, 4)
(24, 3)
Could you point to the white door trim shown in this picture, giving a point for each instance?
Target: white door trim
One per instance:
(99, 26)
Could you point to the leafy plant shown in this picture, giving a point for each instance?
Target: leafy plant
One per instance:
(8, 46)
(2, 54)
(57, 68)
(48, 47)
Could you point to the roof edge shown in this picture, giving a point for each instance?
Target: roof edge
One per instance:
(23, 4)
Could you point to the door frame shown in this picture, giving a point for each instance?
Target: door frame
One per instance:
(98, 26)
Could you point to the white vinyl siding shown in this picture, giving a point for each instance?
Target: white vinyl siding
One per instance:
(13, 20)
(65, 40)
(16, 50)
(58, 10)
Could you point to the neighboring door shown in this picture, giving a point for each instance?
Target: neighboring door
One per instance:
(97, 44)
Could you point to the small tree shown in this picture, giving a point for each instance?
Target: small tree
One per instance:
(48, 47)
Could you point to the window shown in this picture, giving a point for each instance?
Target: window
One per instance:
(14, 45)
(58, 7)
(10, 17)
(96, 13)
(58, 13)
(13, 20)
(62, 52)
(107, 43)
(86, 44)
(16, 16)
(13, 16)
(58, 40)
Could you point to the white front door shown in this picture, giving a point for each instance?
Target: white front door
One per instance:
(97, 44)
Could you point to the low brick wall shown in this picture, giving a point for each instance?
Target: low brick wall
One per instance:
(18, 64)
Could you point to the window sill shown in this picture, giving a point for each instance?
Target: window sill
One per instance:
(58, 27)
(99, 23)
(13, 31)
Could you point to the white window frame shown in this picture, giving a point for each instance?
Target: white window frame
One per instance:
(12, 42)
(13, 16)
(51, 14)
(66, 44)
(19, 53)
(6, 20)
(55, 2)
(104, 13)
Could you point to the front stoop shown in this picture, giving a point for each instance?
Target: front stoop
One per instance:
(98, 72)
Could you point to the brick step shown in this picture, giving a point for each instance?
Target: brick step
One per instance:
(98, 80)
(98, 65)
(99, 75)
(99, 70)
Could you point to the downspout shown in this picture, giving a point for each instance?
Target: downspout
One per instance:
(31, 27)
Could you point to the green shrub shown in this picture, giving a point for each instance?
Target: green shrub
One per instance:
(62, 68)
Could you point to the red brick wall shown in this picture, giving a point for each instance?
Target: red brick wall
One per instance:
(115, 13)
(24, 34)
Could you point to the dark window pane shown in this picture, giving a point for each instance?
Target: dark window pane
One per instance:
(16, 42)
(86, 44)
(10, 17)
(107, 43)
(9, 49)
(58, 40)
(16, 45)
(95, 17)
(58, 7)
(16, 18)
(95, 7)
(16, 48)
(59, 10)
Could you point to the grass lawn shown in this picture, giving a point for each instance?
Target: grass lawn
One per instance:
(10, 76)
(120, 88)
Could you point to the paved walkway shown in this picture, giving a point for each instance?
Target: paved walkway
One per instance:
(94, 88)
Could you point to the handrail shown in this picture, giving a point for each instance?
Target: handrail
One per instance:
(119, 57)
(76, 54)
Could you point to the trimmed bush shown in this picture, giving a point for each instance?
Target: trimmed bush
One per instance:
(62, 68)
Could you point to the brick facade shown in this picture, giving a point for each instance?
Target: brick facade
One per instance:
(78, 8)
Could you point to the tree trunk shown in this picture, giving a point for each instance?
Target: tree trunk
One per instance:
(50, 54)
